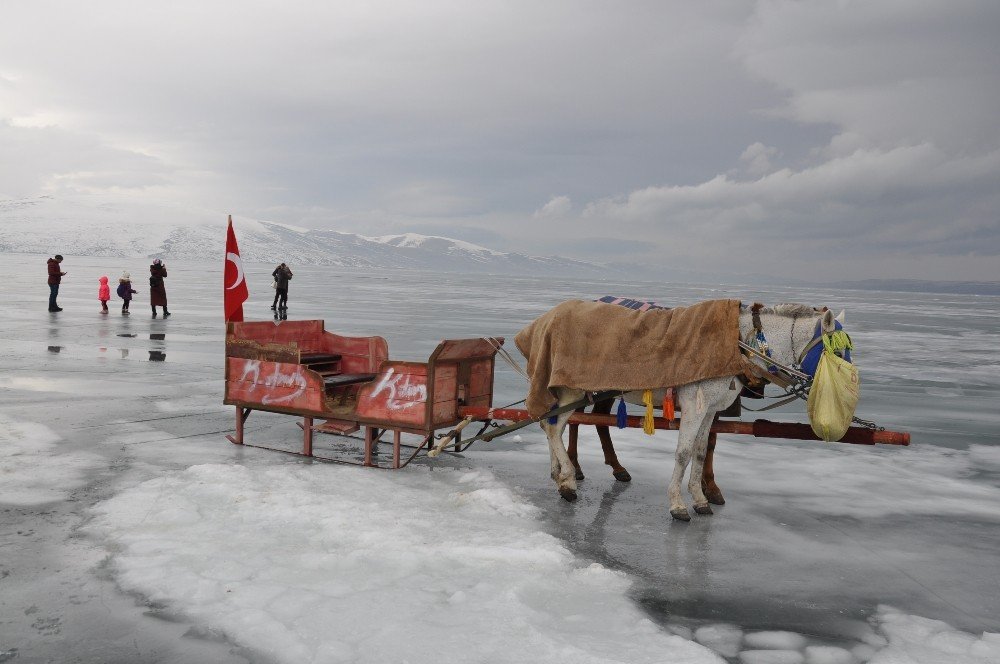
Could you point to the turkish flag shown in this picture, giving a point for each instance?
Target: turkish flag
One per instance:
(233, 281)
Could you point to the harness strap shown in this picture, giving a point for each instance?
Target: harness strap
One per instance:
(773, 405)
(793, 373)
(755, 316)
(816, 340)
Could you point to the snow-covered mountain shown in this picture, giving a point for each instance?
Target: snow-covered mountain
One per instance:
(45, 225)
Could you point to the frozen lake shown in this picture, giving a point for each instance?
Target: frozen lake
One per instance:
(131, 530)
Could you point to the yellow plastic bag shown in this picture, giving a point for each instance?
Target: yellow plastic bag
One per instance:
(833, 396)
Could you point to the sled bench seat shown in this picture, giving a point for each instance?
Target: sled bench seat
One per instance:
(339, 380)
(318, 358)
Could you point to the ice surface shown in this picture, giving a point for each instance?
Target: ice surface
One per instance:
(813, 538)
(33, 471)
(771, 657)
(774, 640)
(985, 456)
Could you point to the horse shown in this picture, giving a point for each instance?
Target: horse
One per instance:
(791, 332)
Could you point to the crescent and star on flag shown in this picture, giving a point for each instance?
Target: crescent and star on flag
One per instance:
(238, 264)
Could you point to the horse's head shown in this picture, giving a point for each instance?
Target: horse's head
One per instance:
(827, 333)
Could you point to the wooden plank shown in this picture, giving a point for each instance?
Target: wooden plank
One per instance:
(445, 384)
(451, 350)
(445, 413)
(481, 381)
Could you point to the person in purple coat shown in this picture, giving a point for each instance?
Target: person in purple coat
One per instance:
(125, 291)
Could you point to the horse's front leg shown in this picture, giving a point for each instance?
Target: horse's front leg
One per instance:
(715, 396)
(604, 433)
(574, 436)
(700, 455)
(708, 484)
(691, 424)
(563, 470)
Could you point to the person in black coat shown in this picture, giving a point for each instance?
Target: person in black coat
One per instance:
(282, 274)
(157, 289)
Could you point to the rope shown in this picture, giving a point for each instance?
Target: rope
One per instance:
(507, 357)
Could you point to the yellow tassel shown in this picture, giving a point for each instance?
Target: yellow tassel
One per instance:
(647, 420)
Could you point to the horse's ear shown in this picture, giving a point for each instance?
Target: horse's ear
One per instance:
(828, 322)
(841, 317)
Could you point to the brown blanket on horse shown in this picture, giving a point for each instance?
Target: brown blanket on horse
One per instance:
(596, 346)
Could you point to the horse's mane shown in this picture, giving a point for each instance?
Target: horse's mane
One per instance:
(790, 309)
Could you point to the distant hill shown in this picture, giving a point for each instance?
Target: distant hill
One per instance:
(93, 227)
(45, 226)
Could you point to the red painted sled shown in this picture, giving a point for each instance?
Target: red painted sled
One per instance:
(298, 368)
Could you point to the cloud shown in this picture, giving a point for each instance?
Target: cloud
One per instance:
(757, 158)
(558, 206)
(907, 190)
(608, 248)
(51, 159)
(895, 71)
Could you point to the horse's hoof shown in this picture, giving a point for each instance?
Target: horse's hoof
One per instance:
(715, 497)
(579, 475)
(622, 475)
(703, 509)
(569, 495)
(681, 514)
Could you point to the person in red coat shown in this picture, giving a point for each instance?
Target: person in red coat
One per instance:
(157, 289)
(103, 294)
(55, 277)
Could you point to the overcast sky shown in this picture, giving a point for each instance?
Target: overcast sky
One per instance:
(845, 139)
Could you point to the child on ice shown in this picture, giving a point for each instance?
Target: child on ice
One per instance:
(125, 291)
(104, 294)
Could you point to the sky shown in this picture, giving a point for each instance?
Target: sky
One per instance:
(835, 139)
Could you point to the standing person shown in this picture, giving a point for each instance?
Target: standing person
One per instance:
(55, 277)
(282, 275)
(157, 290)
(104, 294)
(125, 291)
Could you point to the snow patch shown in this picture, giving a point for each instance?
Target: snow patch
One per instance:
(828, 655)
(319, 563)
(916, 639)
(722, 638)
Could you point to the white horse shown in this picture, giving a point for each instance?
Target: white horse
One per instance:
(788, 328)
